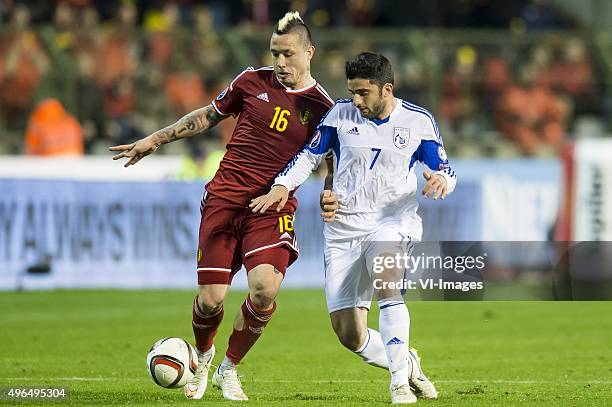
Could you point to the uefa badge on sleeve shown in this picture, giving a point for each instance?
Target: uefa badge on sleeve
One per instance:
(401, 136)
(442, 153)
(222, 94)
(316, 139)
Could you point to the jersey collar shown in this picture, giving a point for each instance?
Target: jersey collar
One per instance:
(289, 90)
(378, 122)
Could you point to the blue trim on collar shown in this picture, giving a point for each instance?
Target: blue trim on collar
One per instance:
(378, 122)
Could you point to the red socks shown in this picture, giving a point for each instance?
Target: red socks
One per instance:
(255, 320)
(205, 326)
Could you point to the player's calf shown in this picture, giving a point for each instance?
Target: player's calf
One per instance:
(394, 325)
(352, 339)
(373, 350)
(207, 315)
(247, 330)
(248, 327)
(256, 311)
(350, 326)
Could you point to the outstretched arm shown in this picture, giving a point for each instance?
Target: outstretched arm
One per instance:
(191, 124)
(441, 182)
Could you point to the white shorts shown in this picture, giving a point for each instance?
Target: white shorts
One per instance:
(349, 275)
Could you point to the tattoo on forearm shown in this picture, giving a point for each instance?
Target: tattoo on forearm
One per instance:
(213, 117)
(167, 134)
(190, 124)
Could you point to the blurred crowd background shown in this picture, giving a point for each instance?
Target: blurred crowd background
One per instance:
(504, 77)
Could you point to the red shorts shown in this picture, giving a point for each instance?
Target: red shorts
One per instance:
(232, 235)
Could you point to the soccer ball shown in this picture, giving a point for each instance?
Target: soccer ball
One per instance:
(172, 362)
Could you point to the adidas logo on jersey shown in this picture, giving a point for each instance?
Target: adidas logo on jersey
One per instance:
(286, 236)
(354, 131)
(263, 96)
(395, 341)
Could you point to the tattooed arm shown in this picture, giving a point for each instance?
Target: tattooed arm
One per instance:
(192, 123)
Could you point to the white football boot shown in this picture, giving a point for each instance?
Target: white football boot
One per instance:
(196, 387)
(401, 394)
(422, 385)
(229, 383)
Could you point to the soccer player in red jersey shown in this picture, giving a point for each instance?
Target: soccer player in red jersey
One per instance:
(278, 109)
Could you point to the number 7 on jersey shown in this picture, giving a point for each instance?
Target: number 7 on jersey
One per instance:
(376, 152)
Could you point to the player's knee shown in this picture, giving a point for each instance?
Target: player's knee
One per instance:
(210, 300)
(262, 296)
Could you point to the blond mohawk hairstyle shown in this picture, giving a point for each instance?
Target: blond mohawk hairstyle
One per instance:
(292, 21)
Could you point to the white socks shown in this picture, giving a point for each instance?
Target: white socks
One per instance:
(388, 349)
(394, 324)
(373, 350)
(226, 365)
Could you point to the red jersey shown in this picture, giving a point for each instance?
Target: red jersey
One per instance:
(274, 124)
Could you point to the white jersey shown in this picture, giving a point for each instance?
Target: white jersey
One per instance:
(374, 175)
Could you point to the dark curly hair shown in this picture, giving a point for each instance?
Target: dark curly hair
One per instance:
(374, 67)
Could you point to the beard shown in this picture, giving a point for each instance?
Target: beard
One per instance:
(376, 110)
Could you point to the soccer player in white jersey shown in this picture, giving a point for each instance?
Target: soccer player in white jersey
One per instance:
(375, 139)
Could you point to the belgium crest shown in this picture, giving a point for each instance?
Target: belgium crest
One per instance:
(305, 115)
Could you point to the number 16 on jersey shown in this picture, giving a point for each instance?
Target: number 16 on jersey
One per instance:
(285, 223)
(279, 120)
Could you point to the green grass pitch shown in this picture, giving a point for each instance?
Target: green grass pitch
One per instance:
(478, 353)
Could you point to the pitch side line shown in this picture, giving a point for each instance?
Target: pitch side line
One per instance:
(328, 381)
